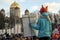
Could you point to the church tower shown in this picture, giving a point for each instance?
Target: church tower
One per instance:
(15, 17)
(15, 10)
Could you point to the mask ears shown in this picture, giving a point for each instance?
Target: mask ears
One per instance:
(46, 8)
(42, 6)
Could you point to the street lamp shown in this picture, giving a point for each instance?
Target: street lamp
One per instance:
(6, 27)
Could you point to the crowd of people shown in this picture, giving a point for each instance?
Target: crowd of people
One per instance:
(44, 27)
(6, 36)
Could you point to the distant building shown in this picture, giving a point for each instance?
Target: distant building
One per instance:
(15, 9)
(3, 11)
(15, 19)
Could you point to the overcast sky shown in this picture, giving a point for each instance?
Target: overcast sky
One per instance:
(31, 5)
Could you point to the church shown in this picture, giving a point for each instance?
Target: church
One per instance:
(15, 19)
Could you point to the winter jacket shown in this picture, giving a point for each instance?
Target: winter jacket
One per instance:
(43, 26)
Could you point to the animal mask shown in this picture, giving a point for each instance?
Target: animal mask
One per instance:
(44, 9)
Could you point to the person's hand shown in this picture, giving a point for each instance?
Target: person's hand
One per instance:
(30, 24)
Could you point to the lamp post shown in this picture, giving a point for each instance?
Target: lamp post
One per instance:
(6, 27)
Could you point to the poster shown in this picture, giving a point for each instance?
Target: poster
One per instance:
(34, 19)
(27, 30)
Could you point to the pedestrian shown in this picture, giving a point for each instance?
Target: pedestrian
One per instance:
(59, 37)
(44, 25)
(28, 33)
(55, 34)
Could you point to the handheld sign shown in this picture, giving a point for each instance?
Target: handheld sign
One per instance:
(27, 30)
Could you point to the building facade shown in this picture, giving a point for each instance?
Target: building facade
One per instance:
(15, 19)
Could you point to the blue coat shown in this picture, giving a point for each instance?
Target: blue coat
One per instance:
(43, 26)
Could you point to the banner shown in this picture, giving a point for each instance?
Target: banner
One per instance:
(27, 30)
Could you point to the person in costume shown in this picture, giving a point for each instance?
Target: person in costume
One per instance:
(44, 25)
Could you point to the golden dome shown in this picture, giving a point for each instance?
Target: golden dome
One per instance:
(14, 4)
